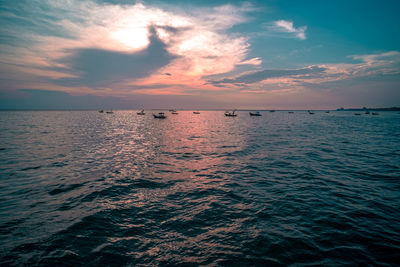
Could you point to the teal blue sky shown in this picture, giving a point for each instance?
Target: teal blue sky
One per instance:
(199, 54)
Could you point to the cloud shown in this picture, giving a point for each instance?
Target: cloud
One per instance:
(96, 67)
(372, 58)
(258, 76)
(59, 100)
(378, 64)
(83, 41)
(253, 61)
(383, 66)
(285, 26)
(48, 99)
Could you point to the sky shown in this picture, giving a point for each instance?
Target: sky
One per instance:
(125, 54)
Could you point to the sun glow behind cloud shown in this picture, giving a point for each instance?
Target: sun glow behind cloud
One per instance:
(197, 40)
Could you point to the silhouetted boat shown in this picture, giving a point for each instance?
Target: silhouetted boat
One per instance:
(230, 114)
(109, 112)
(290, 112)
(257, 113)
(375, 113)
(141, 112)
(327, 111)
(357, 114)
(196, 112)
(367, 112)
(272, 111)
(310, 112)
(101, 111)
(174, 112)
(160, 115)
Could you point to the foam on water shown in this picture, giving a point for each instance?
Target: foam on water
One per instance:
(80, 187)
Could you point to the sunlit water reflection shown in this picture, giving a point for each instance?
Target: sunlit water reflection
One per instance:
(81, 187)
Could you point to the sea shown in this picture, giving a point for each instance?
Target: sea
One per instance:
(83, 188)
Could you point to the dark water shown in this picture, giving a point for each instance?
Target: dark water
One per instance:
(84, 188)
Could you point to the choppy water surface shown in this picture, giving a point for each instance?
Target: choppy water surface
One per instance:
(80, 187)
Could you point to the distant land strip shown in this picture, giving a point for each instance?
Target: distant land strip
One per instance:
(372, 109)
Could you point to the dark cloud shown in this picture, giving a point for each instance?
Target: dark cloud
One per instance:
(96, 67)
(261, 75)
(173, 30)
(45, 99)
(56, 100)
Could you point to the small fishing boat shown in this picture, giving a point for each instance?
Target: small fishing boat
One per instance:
(257, 113)
(290, 112)
(367, 112)
(101, 111)
(160, 115)
(310, 112)
(109, 112)
(327, 111)
(230, 114)
(141, 112)
(375, 113)
(174, 112)
(196, 112)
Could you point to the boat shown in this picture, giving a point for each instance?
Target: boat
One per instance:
(160, 115)
(196, 112)
(272, 111)
(357, 114)
(174, 112)
(290, 112)
(101, 111)
(310, 112)
(109, 112)
(141, 112)
(327, 111)
(375, 113)
(257, 113)
(230, 114)
(367, 112)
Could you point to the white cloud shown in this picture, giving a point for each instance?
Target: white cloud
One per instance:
(252, 61)
(375, 58)
(286, 26)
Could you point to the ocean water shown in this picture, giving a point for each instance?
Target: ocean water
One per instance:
(84, 188)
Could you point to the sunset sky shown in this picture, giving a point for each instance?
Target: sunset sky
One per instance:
(199, 54)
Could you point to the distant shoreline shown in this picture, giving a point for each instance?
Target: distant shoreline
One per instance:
(371, 109)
